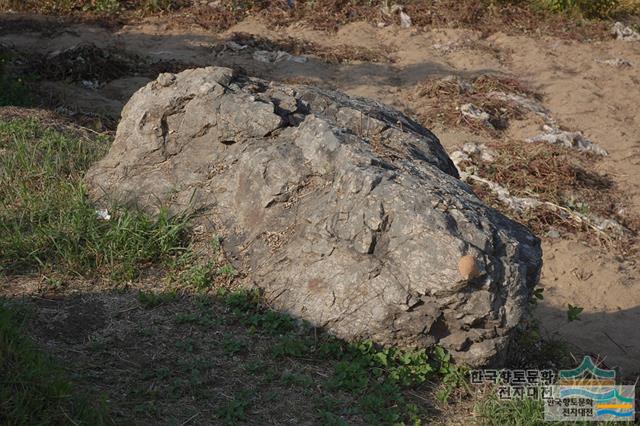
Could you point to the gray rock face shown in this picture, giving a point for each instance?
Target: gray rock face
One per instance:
(344, 211)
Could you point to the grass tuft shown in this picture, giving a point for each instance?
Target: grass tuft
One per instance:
(517, 412)
(47, 221)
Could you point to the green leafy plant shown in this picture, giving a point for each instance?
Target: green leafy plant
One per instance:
(573, 312)
(201, 276)
(537, 295)
(233, 411)
(227, 271)
(233, 346)
(455, 377)
(292, 346)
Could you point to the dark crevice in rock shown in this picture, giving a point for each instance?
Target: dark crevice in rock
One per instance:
(439, 329)
(416, 304)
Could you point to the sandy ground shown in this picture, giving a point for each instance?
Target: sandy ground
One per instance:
(580, 92)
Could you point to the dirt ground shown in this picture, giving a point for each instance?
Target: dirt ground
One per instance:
(579, 90)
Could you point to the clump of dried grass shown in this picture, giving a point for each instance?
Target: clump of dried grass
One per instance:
(561, 177)
(486, 16)
(439, 101)
(549, 172)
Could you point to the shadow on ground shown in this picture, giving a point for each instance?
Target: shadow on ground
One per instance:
(39, 39)
(173, 359)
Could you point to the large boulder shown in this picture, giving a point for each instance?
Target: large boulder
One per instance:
(344, 211)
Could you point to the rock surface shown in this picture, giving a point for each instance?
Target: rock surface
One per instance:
(344, 211)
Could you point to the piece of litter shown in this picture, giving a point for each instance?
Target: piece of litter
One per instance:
(458, 157)
(475, 113)
(610, 225)
(615, 62)
(625, 33)
(575, 140)
(405, 20)
(103, 214)
(270, 57)
(486, 154)
(527, 103)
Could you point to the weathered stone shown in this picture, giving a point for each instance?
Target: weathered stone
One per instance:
(346, 212)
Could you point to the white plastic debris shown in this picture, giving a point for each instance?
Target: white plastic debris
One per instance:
(610, 225)
(553, 233)
(575, 140)
(518, 204)
(475, 113)
(485, 153)
(405, 20)
(526, 103)
(522, 204)
(447, 47)
(103, 214)
(458, 157)
(615, 62)
(271, 57)
(625, 33)
(552, 133)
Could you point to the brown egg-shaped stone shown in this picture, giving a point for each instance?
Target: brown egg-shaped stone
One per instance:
(468, 267)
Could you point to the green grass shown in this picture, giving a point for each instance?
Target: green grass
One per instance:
(33, 389)
(234, 411)
(374, 377)
(48, 225)
(150, 300)
(47, 221)
(588, 8)
(101, 7)
(516, 412)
